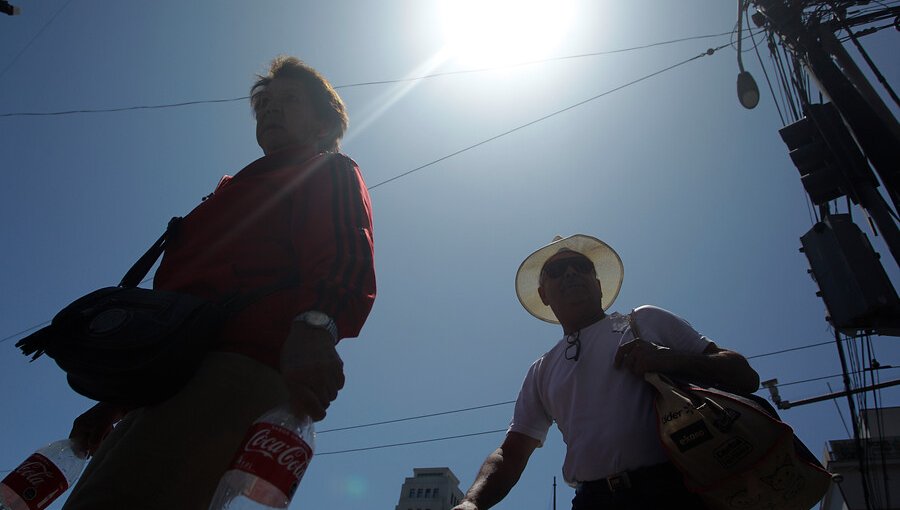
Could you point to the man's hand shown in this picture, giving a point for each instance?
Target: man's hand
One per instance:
(312, 370)
(91, 428)
(641, 357)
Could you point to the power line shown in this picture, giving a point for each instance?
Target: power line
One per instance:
(412, 442)
(789, 350)
(827, 377)
(407, 443)
(27, 330)
(32, 328)
(367, 83)
(460, 436)
(36, 35)
(541, 61)
(708, 52)
(416, 417)
(124, 108)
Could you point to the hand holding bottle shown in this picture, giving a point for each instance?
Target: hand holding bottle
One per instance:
(91, 428)
(269, 464)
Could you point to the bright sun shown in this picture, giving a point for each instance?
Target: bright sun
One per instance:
(502, 32)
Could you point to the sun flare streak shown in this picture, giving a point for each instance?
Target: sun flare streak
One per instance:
(388, 98)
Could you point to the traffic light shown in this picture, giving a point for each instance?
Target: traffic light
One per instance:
(828, 159)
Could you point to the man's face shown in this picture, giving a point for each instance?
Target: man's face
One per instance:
(568, 279)
(284, 116)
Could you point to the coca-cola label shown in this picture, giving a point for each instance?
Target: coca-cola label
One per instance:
(274, 454)
(37, 481)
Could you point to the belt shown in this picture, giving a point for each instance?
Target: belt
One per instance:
(625, 480)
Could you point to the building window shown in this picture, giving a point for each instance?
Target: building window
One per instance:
(412, 494)
(437, 493)
(419, 493)
(427, 493)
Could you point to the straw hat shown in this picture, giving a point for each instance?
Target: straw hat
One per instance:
(606, 262)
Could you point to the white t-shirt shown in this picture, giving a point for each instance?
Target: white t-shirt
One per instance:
(606, 415)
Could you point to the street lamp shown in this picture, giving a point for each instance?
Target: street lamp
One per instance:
(748, 92)
(10, 10)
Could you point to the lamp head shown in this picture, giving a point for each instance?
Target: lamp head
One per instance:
(748, 92)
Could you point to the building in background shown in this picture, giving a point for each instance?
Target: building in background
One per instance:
(880, 433)
(430, 489)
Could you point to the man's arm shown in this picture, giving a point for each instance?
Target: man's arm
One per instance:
(499, 472)
(332, 226)
(312, 370)
(91, 428)
(720, 367)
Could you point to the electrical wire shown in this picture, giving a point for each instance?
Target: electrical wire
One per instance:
(34, 38)
(125, 108)
(460, 436)
(367, 83)
(874, 378)
(27, 330)
(820, 379)
(857, 354)
(32, 328)
(708, 52)
(783, 73)
(840, 414)
(766, 74)
(407, 443)
(421, 416)
(789, 350)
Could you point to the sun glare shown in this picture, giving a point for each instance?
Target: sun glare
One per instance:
(503, 32)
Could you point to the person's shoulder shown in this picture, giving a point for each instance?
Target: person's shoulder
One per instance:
(656, 314)
(553, 355)
(651, 310)
(339, 159)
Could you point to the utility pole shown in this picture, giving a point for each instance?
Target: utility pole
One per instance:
(554, 493)
(836, 147)
(811, 39)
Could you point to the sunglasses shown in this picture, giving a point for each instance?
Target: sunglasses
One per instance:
(558, 267)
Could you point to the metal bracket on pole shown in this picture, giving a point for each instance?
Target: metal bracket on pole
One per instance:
(785, 404)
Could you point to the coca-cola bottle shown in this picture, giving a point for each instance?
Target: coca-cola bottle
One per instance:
(43, 477)
(269, 464)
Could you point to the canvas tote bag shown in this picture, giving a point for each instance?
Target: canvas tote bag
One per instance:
(733, 450)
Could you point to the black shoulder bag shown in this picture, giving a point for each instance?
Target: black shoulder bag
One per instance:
(133, 346)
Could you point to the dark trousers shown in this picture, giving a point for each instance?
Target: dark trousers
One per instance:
(650, 488)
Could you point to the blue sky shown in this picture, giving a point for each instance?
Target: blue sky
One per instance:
(696, 194)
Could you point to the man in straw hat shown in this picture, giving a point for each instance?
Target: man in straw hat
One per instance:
(591, 384)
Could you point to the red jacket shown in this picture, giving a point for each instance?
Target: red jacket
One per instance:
(284, 213)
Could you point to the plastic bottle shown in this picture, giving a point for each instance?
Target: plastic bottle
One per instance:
(42, 478)
(269, 464)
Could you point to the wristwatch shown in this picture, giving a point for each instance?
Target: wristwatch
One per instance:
(319, 320)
